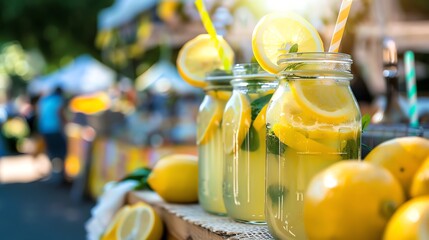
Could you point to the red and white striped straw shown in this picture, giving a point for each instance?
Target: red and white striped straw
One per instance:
(340, 25)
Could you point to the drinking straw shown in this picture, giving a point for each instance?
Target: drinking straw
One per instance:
(208, 25)
(340, 25)
(410, 78)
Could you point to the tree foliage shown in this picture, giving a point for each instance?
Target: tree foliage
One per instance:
(60, 29)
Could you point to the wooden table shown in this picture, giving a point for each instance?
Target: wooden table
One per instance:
(189, 221)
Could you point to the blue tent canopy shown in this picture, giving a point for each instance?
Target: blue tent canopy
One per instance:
(84, 75)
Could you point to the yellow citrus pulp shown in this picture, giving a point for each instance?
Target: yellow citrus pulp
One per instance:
(209, 118)
(200, 56)
(276, 32)
(238, 116)
(328, 102)
(410, 221)
(138, 222)
(175, 178)
(141, 222)
(117, 220)
(350, 200)
(402, 157)
(259, 121)
(296, 140)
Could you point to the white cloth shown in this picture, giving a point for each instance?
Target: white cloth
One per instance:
(108, 204)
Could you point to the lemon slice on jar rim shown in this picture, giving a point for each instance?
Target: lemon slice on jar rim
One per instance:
(198, 57)
(277, 33)
(236, 122)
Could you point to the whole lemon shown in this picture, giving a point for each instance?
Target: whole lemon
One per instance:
(175, 178)
(350, 200)
(420, 184)
(410, 221)
(402, 157)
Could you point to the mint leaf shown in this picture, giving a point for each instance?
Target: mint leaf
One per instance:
(140, 175)
(274, 145)
(351, 150)
(257, 104)
(294, 48)
(251, 141)
(276, 192)
(137, 174)
(366, 119)
(293, 66)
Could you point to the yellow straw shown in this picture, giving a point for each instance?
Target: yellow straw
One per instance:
(208, 25)
(340, 25)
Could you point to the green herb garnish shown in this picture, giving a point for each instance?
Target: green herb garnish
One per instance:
(366, 119)
(258, 104)
(351, 150)
(251, 141)
(276, 192)
(294, 48)
(140, 175)
(274, 145)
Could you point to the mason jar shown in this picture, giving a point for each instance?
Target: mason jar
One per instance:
(244, 143)
(210, 145)
(313, 121)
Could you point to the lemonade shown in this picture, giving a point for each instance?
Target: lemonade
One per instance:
(313, 121)
(210, 145)
(244, 138)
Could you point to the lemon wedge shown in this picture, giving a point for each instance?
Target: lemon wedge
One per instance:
(236, 122)
(298, 141)
(209, 118)
(276, 33)
(259, 121)
(110, 233)
(200, 56)
(328, 102)
(141, 222)
(220, 95)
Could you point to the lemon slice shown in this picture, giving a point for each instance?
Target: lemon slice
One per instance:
(220, 95)
(118, 219)
(141, 222)
(209, 119)
(200, 56)
(298, 141)
(236, 122)
(276, 32)
(259, 121)
(329, 102)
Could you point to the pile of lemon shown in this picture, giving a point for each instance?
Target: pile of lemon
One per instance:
(365, 200)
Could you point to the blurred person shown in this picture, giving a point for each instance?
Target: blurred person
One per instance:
(50, 124)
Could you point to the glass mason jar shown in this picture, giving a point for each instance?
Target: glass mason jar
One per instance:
(244, 143)
(210, 145)
(313, 121)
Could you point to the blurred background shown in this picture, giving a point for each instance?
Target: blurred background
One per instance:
(89, 90)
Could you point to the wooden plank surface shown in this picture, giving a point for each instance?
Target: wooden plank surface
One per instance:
(189, 221)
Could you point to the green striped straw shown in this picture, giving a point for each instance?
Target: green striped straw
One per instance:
(410, 78)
